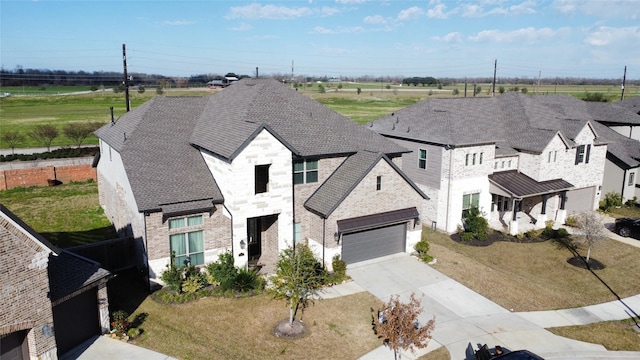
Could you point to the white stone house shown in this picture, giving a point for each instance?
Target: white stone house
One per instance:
(514, 157)
(253, 169)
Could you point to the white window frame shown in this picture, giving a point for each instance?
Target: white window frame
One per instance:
(422, 161)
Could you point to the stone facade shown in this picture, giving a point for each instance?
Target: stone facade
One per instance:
(24, 288)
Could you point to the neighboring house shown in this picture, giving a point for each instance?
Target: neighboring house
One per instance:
(52, 300)
(253, 169)
(623, 150)
(622, 117)
(515, 157)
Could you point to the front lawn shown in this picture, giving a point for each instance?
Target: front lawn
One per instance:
(537, 276)
(230, 328)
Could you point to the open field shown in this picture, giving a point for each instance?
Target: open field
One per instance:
(22, 113)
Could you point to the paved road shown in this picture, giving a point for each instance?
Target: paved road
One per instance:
(464, 318)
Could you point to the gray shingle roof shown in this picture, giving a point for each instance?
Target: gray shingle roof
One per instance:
(512, 120)
(69, 272)
(306, 126)
(162, 166)
(160, 141)
(631, 103)
(613, 113)
(348, 175)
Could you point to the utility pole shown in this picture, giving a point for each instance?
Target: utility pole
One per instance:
(465, 86)
(495, 66)
(624, 78)
(539, 74)
(292, 74)
(126, 77)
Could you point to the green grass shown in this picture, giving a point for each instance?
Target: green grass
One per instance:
(66, 215)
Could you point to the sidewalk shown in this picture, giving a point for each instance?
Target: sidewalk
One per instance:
(465, 319)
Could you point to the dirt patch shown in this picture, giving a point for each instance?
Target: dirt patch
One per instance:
(286, 330)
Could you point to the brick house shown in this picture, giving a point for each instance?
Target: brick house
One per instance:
(253, 169)
(517, 158)
(52, 300)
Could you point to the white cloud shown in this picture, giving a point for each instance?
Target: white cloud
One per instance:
(525, 35)
(350, 1)
(605, 36)
(454, 37)
(242, 27)
(329, 11)
(178, 22)
(375, 19)
(257, 11)
(604, 9)
(437, 12)
(410, 13)
(527, 7)
(338, 30)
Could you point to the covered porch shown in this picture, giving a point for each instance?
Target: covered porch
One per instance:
(520, 203)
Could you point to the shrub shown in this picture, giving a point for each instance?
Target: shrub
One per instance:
(422, 247)
(571, 221)
(120, 323)
(467, 236)
(172, 276)
(561, 233)
(339, 269)
(134, 333)
(192, 284)
(223, 271)
(246, 280)
(476, 224)
(611, 200)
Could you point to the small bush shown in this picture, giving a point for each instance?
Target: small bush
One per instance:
(339, 267)
(134, 333)
(571, 221)
(223, 271)
(611, 200)
(120, 323)
(561, 233)
(246, 280)
(422, 247)
(192, 284)
(172, 276)
(467, 236)
(476, 224)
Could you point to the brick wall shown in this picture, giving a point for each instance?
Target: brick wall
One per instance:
(38, 176)
(24, 288)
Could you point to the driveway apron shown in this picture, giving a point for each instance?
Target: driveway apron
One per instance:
(462, 316)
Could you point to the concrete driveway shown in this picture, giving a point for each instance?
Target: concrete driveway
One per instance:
(464, 317)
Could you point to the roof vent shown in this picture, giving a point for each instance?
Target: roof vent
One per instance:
(408, 128)
(394, 127)
(397, 119)
(124, 134)
(439, 110)
(371, 124)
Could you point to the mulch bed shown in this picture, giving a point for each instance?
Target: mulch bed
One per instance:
(284, 329)
(495, 236)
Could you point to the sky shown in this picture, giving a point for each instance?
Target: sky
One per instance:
(337, 38)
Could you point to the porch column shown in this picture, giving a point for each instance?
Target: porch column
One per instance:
(542, 218)
(513, 225)
(561, 217)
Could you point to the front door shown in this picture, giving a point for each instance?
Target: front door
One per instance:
(254, 238)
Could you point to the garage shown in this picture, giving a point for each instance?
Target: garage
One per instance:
(580, 200)
(76, 320)
(370, 244)
(14, 346)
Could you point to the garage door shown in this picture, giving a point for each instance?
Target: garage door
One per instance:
(76, 320)
(14, 346)
(580, 200)
(370, 244)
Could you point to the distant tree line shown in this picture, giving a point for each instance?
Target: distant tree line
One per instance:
(45, 77)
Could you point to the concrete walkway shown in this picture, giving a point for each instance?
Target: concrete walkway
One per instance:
(106, 348)
(465, 319)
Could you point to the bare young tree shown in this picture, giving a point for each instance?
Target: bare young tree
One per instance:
(78, 132)
(12, 138)
(591, 225)
(397, 325)
(45, 134)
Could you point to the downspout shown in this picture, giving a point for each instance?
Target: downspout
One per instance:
(446, 222)
(324, 230)
(146, 250)
(231, 216)
(624, 181)
(293, 207)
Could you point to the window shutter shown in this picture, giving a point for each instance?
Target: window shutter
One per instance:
(586, 159)
(577, 155)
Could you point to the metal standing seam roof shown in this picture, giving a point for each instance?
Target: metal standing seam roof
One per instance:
(520, 185)
(375, 220)
(348, 175)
